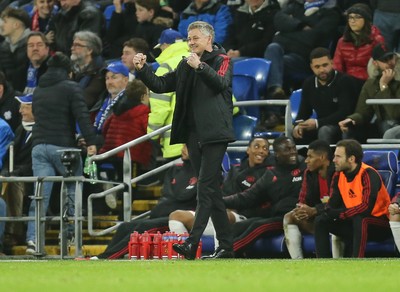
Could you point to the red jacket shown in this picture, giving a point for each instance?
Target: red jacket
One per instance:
(131, 124)
(352, 60)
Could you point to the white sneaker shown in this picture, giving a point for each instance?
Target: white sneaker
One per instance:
(93, 258)
(111, 201)
(30, 247)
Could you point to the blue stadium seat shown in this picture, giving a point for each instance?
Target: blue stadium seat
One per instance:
(243, 126)
(108, 12)
(250, 81)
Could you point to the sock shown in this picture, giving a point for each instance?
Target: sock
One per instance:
(293, 239)
(177, 226)
(395, 227)
(337, 247)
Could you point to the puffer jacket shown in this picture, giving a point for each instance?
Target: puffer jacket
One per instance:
(125, 125)
(354, 60)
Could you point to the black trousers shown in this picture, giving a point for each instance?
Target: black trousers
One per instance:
(206, 160)
(353, 231)
(118, 247)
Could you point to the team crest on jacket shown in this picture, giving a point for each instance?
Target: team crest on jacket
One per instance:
(173, 181)
(248, 181)
(296, 172)
(192, 183)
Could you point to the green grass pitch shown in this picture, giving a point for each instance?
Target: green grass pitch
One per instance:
(180, 275)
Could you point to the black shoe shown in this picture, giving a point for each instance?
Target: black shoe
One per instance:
(220, 254)
(188, 250)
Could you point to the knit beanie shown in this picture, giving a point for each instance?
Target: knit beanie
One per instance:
(60, 60)
(361, 9)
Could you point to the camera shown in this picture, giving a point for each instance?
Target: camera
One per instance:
(70, 158)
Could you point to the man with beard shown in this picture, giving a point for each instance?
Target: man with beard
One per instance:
(87, 65)
(357, 192)
(331, 94)
(383, 83)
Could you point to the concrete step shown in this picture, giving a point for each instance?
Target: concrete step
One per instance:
(53, 250)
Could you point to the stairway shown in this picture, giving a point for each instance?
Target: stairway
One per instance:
(146, 199)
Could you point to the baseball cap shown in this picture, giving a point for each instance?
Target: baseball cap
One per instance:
(381, 53)
(168, 36)
(26, 99)
(118, 68)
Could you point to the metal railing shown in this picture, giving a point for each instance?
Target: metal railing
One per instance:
(40, 217)
(387, 101)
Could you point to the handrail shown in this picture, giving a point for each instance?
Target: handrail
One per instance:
(383, 101)
(117, 188)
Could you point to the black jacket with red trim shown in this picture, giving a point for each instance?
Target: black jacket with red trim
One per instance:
(310, 193)
(279, 186)
(203, 97)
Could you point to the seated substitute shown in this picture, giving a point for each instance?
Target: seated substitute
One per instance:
(274, 194)
(357, 192)
(313, 196)
(240, 177)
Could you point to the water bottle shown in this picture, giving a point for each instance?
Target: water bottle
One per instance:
(157, 239)
(93, 172)
(134, 246)
(86, 168)
(145, 246)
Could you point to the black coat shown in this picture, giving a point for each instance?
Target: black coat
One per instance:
(9, 107)
(289, 23)
(58, 104)
(252, 32)
(203, 97)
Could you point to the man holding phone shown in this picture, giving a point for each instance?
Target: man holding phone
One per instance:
(331, 94)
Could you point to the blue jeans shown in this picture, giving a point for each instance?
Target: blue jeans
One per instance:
(285, 67)
(46, 161)
(2, 223)
(389, 25)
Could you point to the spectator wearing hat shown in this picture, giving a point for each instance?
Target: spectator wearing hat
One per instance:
(87, 65)
(173, 49)
(354, 48)
(16, 193)
(383, 83)
(38, 52)
(116, 80)
(58, 105)
(131, 48)
(15, 28)
(9, 107)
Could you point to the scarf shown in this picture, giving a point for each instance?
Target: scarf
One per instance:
(105, 109)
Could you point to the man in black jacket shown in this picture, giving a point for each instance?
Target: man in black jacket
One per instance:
(239, 178)
(274, 194)
(331, 94)
(58, 105)
(203, 120)
(313, 196)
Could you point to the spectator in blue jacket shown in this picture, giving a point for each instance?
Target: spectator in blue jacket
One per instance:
(210, 11)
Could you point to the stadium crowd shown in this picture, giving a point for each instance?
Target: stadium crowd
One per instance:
(67, 80)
